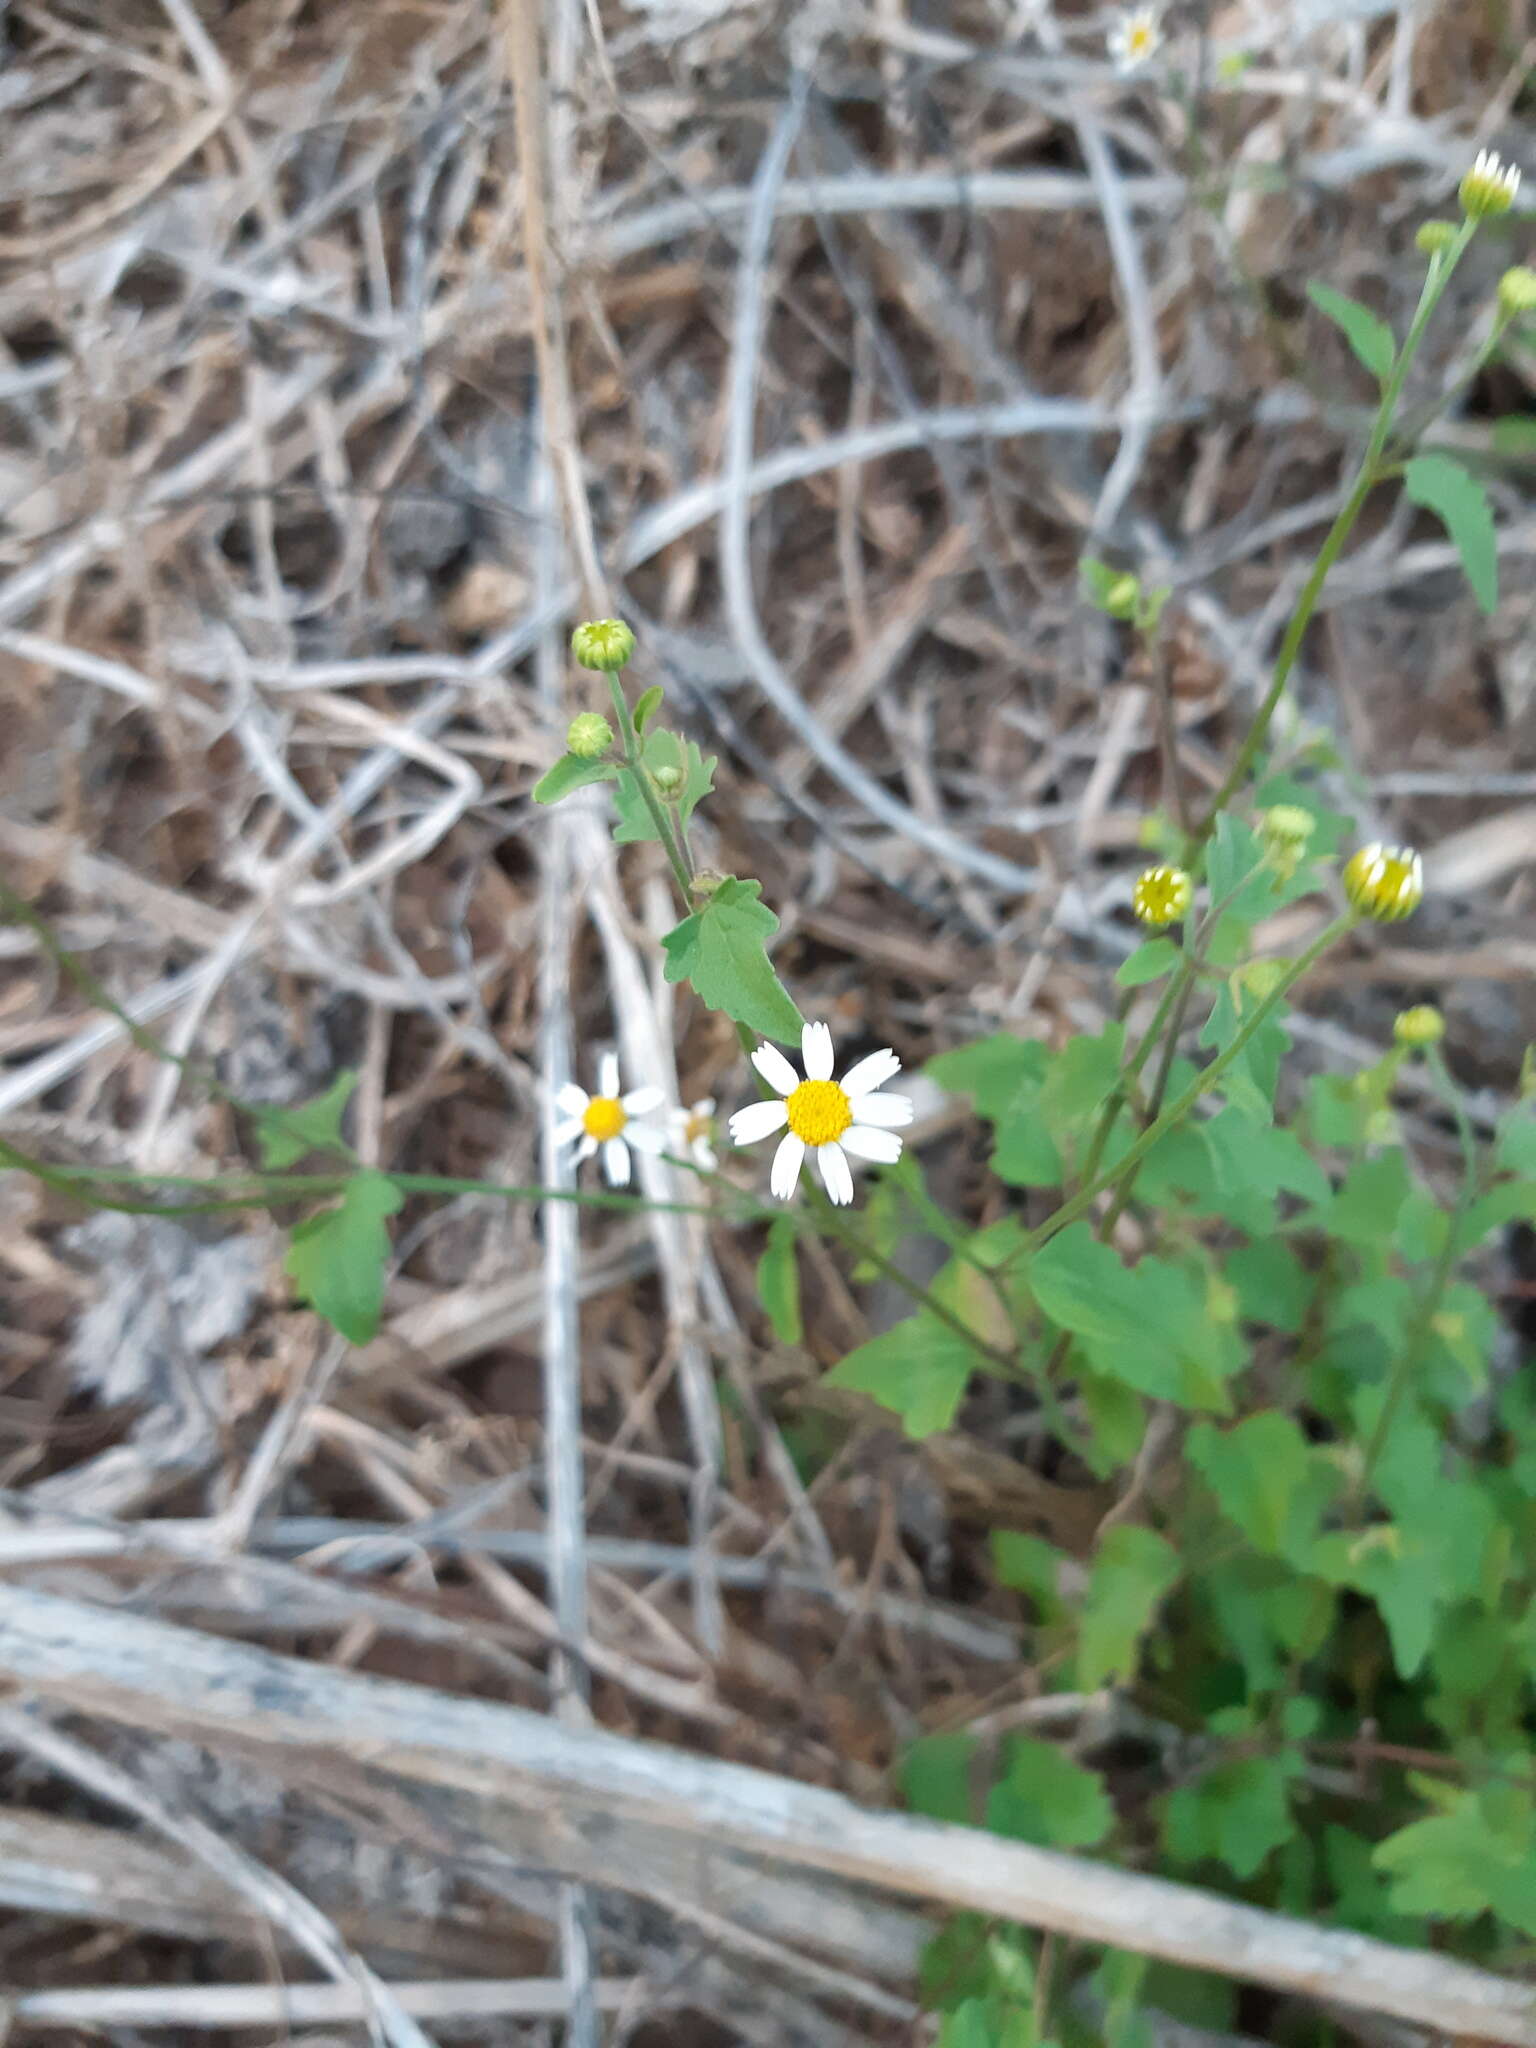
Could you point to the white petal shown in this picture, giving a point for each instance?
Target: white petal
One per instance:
(569, 1131)
(608, 1074)
(836, 1175)
(757, 1120)
(585, 1149)
(873, 1071)
(704, 1155)
(785, 1177)
(775, 1069)
(571, 1099)
(884, 1147)
(646, 1138)
(816, 1052)
(890, 1112)
(705, 1106)
(616, 1162)
(641, 1101)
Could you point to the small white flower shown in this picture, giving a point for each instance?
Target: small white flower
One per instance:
(608, 1121)
(1135, 38)
(1490, 186)
(693, 1132)
(831, 1118)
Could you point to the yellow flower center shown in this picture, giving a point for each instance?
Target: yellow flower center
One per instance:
(1140, 38)
(695, 1128)
(819, 1112)
(603, 1118)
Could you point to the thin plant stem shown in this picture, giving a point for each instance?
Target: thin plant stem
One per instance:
(1367, 477)
(672, 844)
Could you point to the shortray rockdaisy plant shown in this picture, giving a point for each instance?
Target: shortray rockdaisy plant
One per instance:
(693, 1133)
(1135, 38)
(827, 1117)
(608, 1122)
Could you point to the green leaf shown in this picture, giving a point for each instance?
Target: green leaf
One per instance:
(1272, 1284)
(936, 1778)
(1028, 1564)
(1079, 1077)
(284, 1136)
(1268, 1479)
(778, 1280)
(990, 1070)
(570, 773)
(661, 750)
(919, 1370)
(721, 950)
(1249, 1083)
(647, 706)
(1150, 962)
(1099, 579)
(1370, 338)
(1132, 1574)
(1146, 1325)
(1235, 869)
(336, 1259)
(1459, 501)
(1479, 1856)
(1046, 1798)
(1237, 1814)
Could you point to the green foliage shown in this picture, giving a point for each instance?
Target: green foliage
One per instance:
(285, 1136)
(1044, 1797)
(570, 773)
(1237, 1813)
(647, 704)
(662, 750)
(1460, 502)
(778, 1279)
(1150, 962)
(1134, 1572)
(1148, 1326)
(721, 950)
(919, 1370)
(336, 1259)
(1370, 338)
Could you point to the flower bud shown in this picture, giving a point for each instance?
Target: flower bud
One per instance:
(1385, 882)
(1123, 597)
(668, 780)
(604, 644)
(1435, 237)
(1421, 1026)
(1489, 188)
(1162, 895)
(1261, 977)
(589, 736)
(1287, 825)
(1517, 292)
(705, 882)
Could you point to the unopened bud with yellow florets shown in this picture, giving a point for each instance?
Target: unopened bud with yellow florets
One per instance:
(1162, 895)
(1489, 188)
(1285, 830)
(589, 736)
(1435, 237)
(1385, 883)
(603, 644)
(1517, 292)
(1418, 1028)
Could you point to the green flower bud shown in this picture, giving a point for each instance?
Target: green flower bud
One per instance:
(1287, 825)
(1435, 237)
(589, 736)
(1162, 895)
(705, 882)
(1489, 188)
(1122, 600)
(1421, 1026)
(667, 779)
(604, 644)
(1517, 292)
(1385, 882)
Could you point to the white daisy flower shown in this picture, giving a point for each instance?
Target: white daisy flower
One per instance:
(831, 1118)
(607, 1122)
(1135, 38)
(693, 1132)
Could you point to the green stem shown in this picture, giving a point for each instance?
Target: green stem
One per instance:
(1366, 479)
(1203, 1082)
(672, 845)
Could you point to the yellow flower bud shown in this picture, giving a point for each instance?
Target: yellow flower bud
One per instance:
(1489, 188)
(1435, 237)
(1385, 882)
(603, 644)
(1517, 292)
(1422, 1025)
(1162, 895)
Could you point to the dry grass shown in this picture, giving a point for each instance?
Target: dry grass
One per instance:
(822, 347)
